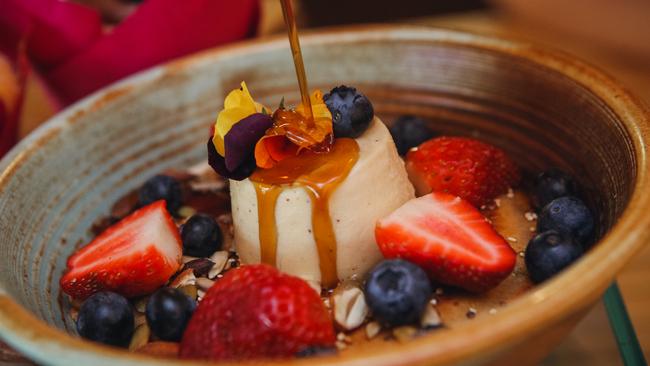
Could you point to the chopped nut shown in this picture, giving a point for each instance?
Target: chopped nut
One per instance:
(219, 259)
(200, 294)
(530, 216)
(141, 304)
(532, 229)
(350, 308)
(189, 290)
(184, 278)
(492, 311)
(497, 202)
(372, 329)
(430, 318)
(512, 239)
(341, 345)
(200, 266)
(405, 333)
(140, 337)
(433, 301)
(187, 259)
(186, 211)
(522, 254)
(511, 193)
(204, 283)
(74, 314)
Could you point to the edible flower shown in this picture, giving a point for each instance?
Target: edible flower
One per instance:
(238, 105)
(292, 131)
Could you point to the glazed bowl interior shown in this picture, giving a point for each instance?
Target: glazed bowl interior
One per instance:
(544, 109)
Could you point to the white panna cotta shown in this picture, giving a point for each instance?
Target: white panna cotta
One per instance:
(322, 229)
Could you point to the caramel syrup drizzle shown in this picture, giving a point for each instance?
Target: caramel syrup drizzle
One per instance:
(320, 175)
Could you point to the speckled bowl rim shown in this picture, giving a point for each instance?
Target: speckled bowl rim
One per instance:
(583, 283)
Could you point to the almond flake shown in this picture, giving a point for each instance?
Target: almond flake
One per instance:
(530, 216)
(141, 304)
(372, 329)
(405, 333)
(186, 211)
(140, 337)
(430, 318)
(350, 308)
(187, 259)
(219, 259)
(189, 290)
(204, 283)
(184, 278)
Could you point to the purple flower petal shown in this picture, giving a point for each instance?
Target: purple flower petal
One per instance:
(240, 141)
(218, 163)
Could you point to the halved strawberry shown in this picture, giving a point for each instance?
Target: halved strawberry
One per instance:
(449, 239)
(133, 257)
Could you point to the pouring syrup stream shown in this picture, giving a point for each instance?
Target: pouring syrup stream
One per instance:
(294, 42)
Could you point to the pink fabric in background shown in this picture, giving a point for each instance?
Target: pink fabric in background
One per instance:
(65, 43)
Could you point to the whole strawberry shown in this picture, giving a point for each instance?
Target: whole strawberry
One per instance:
(471, 169)
(255, 312)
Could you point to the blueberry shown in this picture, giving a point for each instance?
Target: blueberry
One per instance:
(168, 312)
(106, 317)
(553, 184)
(409, 132)
(550, 252)
(201, 236)
(397, 292)
(161, 187)
(312, 351)
(351, 111)
(568, 215)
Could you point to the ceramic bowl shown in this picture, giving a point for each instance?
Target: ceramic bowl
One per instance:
(545, 108)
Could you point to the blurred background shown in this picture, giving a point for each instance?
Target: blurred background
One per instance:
(53, 52)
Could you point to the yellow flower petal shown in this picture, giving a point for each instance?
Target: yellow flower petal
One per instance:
(238, 105)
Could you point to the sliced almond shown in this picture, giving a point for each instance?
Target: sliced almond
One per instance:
(184, 278)
(405, 333)
(187, 259)
(204, 283)
(140, 337)
(201, 266)
(219, 259)
(350, 308)
(372, 329)
(190, 290)
(141, 304)
(430, 318)
(139, 319)
(186, 211)
(74, 314)
(341, 345)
